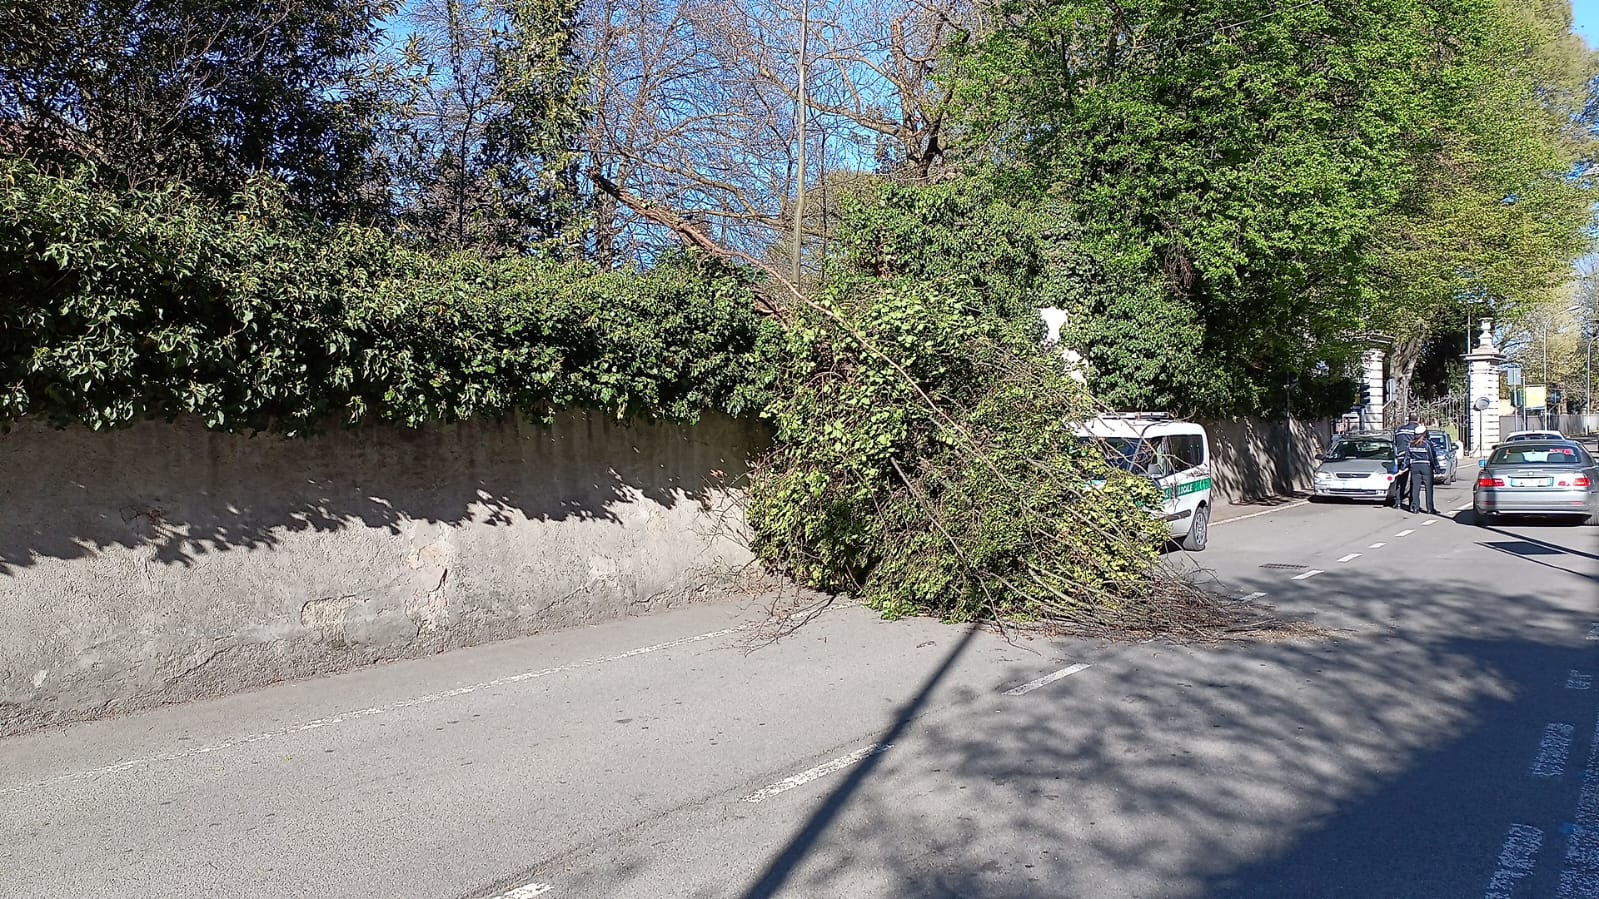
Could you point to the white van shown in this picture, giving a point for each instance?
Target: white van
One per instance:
(1175, 454)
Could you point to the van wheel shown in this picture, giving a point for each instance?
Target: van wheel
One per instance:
(1198, 536)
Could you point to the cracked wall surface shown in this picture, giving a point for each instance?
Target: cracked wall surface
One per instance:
(166, 562)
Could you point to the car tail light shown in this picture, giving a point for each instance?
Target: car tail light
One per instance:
(1486, 481)
(1581, 482)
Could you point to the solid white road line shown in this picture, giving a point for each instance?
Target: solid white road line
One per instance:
(1053, 676)
(1377, 546)
(357, 714)
(525, 892)
(1553, 750)
(1406, 532)
(1311, 573)
(1303, 502)
(1517, 859)
(822, 770)
(1350, 558)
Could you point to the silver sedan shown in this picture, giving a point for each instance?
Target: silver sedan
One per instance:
(1538, 478)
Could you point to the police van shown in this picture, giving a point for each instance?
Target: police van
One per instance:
(1174, 454)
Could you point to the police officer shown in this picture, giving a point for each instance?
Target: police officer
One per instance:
(1423, 458)
(1402, 437)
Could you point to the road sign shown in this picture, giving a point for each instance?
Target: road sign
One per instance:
(1536, 396)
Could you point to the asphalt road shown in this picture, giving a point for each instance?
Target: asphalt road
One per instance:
(1440, 742)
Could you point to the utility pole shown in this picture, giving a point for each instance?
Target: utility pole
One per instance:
(804, 111)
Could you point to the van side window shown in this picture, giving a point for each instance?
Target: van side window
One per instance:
(1187, 451)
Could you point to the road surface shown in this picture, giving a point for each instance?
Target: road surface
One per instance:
(1441, 742)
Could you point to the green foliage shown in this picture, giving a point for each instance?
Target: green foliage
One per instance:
(1259, 182)
(121, 307)
(924, 457)
(206, 92)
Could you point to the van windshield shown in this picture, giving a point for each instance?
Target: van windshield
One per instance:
(1128, 453)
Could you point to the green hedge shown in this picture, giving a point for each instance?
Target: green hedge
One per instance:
(117, 307)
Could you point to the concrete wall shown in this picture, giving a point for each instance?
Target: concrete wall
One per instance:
(165, 562)
(1254, 459)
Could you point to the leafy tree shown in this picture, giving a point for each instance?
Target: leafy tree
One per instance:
(483, 146)
(1501, 199)
(206, 92)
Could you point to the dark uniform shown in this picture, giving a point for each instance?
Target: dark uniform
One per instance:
(1423, 458)
(1402, 438)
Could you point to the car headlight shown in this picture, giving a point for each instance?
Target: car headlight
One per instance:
(1323, 476)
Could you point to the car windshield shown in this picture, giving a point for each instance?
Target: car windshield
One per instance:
(1537, 435)
(1537, 455)
(1349, 450)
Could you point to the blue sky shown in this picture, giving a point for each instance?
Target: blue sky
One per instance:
(1587, 20)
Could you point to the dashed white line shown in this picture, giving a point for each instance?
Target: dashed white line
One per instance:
(1553, 750)
(525, 892)
(1406, 532)
(1517, 859)
(1377, 546)
(822, 770)
(1256, 595)
(1576, 680)
(357, 714)
(1311, 573)
(1429, 521)
(1350, 558)
(1580, 879)
(1053, 676)
(1593, 631)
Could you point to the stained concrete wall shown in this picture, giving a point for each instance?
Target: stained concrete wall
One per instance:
(1254, 459)
(166, 562)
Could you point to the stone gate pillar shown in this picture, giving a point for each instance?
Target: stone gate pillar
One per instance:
(1482, 382)
(1371, 372)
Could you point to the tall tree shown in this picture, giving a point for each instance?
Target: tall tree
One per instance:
(1501, 201)
(1244, 169)
(484, 146)
(208, 92)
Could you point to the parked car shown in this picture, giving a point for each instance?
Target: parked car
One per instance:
(1531, 435)
(1538, 477)
(1357, 466)
(1448, 456)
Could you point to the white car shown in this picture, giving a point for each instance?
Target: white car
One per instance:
(1532, 435)
(1175, 455)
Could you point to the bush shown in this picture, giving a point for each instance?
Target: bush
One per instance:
(118, 307)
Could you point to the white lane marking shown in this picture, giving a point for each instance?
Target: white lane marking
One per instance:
(1377, 546)
(1256, 595)
(1406, 532)
(822, 770)
(357, 714)
(1311, 573)
(1580, 879)
(1517, 859)
(1051, 677)
(1303, 502)
(1465, 508)
(1553, 750)
(1429, 521)
(1593, 631)
(525, 892)
(1350, 558)
(1576, 680)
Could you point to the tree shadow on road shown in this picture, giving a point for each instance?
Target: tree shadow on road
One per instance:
(1390, 762)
